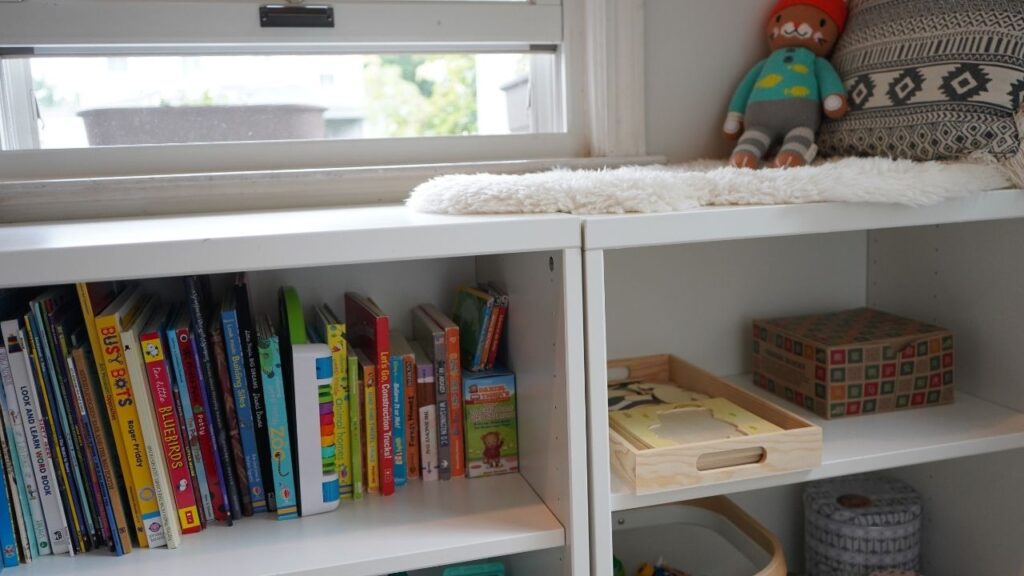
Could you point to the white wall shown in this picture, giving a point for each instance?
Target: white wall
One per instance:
(697, 51)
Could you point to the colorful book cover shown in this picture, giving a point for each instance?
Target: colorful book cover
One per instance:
(427, 405)
(277, 420)
(257, 397)
(196, 292)
(398, 417)
(227, 397)
(472, 315)
(492, 441)
(368, 332)
(8, 542)
(109, 323)
(173, 439)
(12, 458)
(400, 347)
(165, 530)
(453, 377)
(355, 423)
(432, 338)
(368, 400)
(94, 298)
(499, 329)
(102, 441)
(14, 385)
(243, 404)
(331, 331)
(179, 352)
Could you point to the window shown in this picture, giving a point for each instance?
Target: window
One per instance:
(128, 87)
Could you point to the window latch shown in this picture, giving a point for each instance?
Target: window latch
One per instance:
(296, 16)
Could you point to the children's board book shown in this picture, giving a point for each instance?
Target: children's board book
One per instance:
(665, 425)
(401, 348)
(331, 331)
(197, 294)
(432, 339)
(368, 332)
(308, 388)
(473, 308)
(368, 402)
(355, 424)
(398, 414)
(277, 420)
(227, 395)
(492, 440)
(162, 530)
(173, 439)
(453, 375)
(426, 400)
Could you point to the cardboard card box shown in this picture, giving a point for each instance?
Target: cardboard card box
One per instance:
(489, 403)
(854, 362)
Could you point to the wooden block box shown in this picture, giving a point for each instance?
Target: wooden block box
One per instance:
(796, 447)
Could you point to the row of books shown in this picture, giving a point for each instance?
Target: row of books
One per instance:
(129, 422)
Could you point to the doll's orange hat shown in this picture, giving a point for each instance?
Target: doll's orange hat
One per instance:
(836, 9)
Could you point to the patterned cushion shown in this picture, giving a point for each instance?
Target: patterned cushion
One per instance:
(930, 79)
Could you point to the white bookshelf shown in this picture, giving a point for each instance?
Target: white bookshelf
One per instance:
(537, 519)
(689, 283)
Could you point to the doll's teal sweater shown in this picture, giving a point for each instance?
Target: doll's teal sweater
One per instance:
(787, 73)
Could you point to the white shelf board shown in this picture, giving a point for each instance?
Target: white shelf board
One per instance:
(52, 253)
(424, 524)
(738, 222)
(852, 445)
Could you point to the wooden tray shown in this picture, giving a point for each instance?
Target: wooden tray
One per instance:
(797, 447)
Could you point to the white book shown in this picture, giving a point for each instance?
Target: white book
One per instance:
(12, 462)
(312, 369)
(40, 459)
(428, 442)
(169, 531)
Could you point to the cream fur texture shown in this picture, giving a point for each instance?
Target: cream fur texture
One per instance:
(704, 183)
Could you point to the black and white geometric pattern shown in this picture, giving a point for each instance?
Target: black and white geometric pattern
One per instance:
(930, 79)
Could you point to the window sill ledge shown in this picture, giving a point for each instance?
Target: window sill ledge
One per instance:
(126, 197)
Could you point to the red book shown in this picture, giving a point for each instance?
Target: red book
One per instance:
(172, 439)
(204, 430)
(368, 332)
(456, 439)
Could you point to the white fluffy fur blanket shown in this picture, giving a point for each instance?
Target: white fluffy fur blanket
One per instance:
(705, 183)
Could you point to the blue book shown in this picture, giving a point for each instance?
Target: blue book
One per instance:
(277, 419)
(243, 406)
(398, 418)
(8, 544)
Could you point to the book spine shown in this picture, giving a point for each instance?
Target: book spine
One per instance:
(184, 402)
(195, 480)
(107, 390)
(412, 417)
(237, 452)
(15, 484)
(164, 530)
(444, 450)
(456, 441)
(205, 432)
(243, 409)
(105, 466)
(169, 430)
(277, 426)
(385, 419)
(499, 329)
(486, 333)
(212, 402)
(398, 418)
(335, 336)
(8, 542)
(355, 424)
(257, 397)
(371, 469)
(12, 362)
(144, 507)
(427, 423)
(58, 533)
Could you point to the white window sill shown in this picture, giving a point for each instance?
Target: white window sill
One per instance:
(124, 197)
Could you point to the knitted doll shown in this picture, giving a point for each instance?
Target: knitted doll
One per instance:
(781, 99)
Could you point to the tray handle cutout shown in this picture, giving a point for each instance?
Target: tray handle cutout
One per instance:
(731, 458)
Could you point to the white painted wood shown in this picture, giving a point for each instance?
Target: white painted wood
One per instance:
(969, 426)
(423, 524)
(67, 23)
(107, 197)
(18, 128)
(615, 46)
(597, 407)
(735, 222)
(968, 278)
(139, 248)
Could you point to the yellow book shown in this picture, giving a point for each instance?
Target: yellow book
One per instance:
(109, 323)
(369, 393)
(333, 333)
